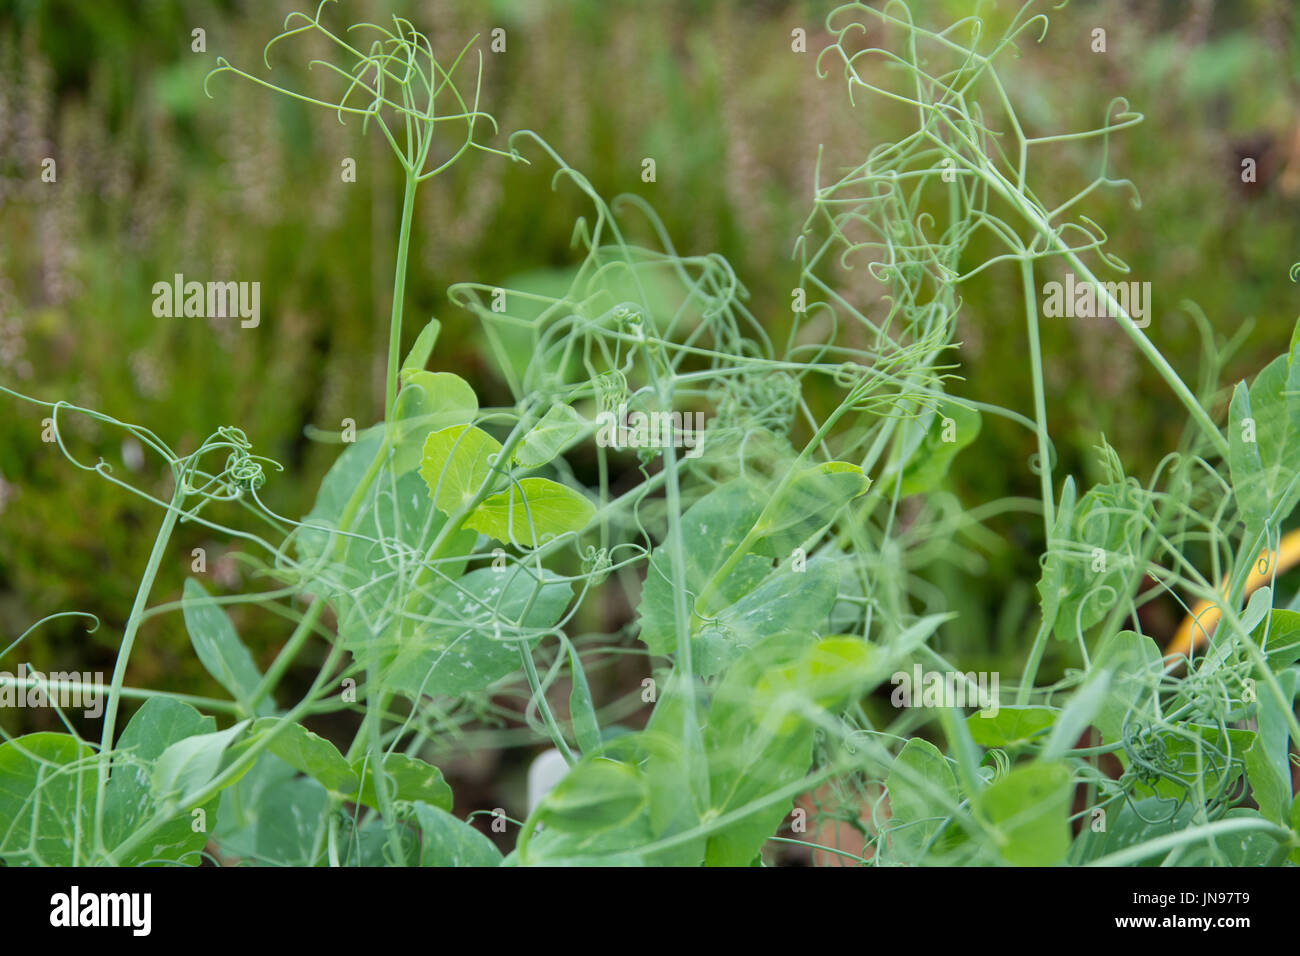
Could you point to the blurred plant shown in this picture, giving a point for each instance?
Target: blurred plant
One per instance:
(778, 584)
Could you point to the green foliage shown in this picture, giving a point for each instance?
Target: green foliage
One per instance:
(463, 563)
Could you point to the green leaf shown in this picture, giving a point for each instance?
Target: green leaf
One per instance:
(191, 764)
(1268, 766)
(1264, 471)
(785, 595)
(1028, 811)
(559, 428)
(806, 504)
(129, 801)
(761, 725)
(408, 779)
(1128, 824)
(754, 600)
(582, 713)
(457, 461)
(1278, 635)
(369, 575)
(1136, 664)
(418, 357)
(47, 792)
(467, 642)
(532, 511)
(315, 756)
(1052, 587)
(428, 402)
(219, 648)
(290, 824)
(448, 841)
(1271, 791)
(1011, 726)
(336, 489)
(922, 793)
(243, 805)
(1241, 848)
(596, 794)
(1095, 548)
(611, 804)
(950, 428)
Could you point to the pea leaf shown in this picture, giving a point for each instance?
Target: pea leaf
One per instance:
(1028, 812)
(289, 826)
(1128, 824)
(244, 804)
(1135, 662)
(596, 794)
(219, 648)
(761, 725)
(1278, 635)
(922, 793)
(1011, 726)
(409, 778)
(947, 430)
(582, 711)
(448, 841)
(469, 641)
(531, 511)
(47, 786)
(1052, 586)
(418, 357)
(191, 764)
(754, 600)
(428, 402)
(613, 803)
(1268, 766)
(128, 800)
(1264, 469)
(559, 428)
(456, 463)
(1094, 548)
(1241, 848)
(313, 755)
(807, 503)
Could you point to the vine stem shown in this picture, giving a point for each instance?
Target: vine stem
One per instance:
(124, 651)
(1040, 401)
(399, 290)
(371, 726)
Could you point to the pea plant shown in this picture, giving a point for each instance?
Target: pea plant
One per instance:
(776, 555)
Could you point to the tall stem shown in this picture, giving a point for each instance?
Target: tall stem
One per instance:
(124, 651)
(1040, 403)
(399, 289)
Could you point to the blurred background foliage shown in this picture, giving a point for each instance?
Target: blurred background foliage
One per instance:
(154, 178)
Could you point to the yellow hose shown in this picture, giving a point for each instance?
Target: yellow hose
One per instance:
(1205, 614)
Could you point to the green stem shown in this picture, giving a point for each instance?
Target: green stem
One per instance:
(1040, 402)
(124, 651)
(399, 290)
